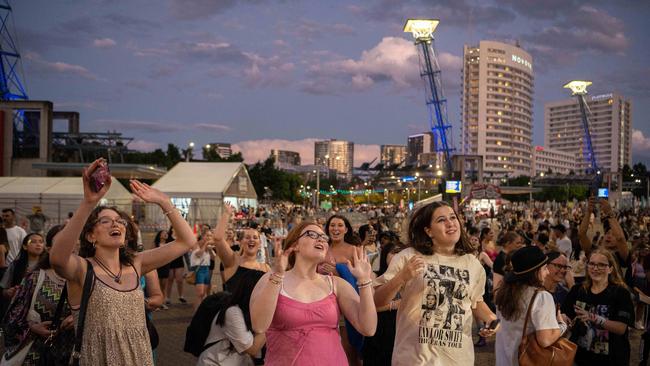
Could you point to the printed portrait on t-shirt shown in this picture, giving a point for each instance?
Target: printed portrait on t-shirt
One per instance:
(442, 311)
(595, 339)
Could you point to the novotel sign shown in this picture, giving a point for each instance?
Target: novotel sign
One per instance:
(520, 60)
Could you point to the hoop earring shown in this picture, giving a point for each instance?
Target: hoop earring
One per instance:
(93, 243)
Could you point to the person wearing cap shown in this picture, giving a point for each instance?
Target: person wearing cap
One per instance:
(562, 241)
(441, 283)
(601, 309)
(524, 278)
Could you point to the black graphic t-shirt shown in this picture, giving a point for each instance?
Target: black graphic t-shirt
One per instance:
(434, 320)
(598, 346)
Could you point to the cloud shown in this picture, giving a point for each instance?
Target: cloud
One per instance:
(83, 30)
(272, 71)
(459, 13)
(224, 58)
(104, 43)
(308, 31)
(159, 126)
(212, 127)
(143, 145)
(199, 9)
(640, 142)
(57, 67)
(583, 30)
(259, 150)
(140, 125)
(393, 60)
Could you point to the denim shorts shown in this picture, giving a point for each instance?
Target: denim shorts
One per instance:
(203, 275)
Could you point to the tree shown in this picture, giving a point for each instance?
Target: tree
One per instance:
(283, 185)
(213, 156)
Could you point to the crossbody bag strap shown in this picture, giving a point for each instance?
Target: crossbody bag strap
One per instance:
(37, 288)
(530, 307)
(56, 322)
(85, 296)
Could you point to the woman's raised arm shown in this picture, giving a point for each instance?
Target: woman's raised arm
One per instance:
(185, 239)
(65, 263)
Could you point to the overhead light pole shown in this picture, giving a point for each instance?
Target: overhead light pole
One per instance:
(190, 150)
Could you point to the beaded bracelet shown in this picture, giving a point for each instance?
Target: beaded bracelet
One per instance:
(274, 281)
(276, 275)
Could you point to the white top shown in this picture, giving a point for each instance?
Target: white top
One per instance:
(434, 320)
(202, 260)
(15, 236)
(236, 333)
(542, 316)
(564, 245)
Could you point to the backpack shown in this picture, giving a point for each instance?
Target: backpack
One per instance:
(199, 328)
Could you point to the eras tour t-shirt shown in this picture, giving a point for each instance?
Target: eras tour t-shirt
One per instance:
(598, 346)
(434, 320)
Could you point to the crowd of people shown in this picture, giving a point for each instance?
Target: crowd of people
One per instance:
(306, 287)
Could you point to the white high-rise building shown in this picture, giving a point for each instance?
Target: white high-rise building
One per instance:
(554, 161)
(337, 155)
(497, 108)
(611, 130)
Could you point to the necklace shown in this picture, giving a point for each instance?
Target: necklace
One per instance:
(116, 277)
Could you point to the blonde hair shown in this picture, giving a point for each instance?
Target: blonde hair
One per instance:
(614, 277)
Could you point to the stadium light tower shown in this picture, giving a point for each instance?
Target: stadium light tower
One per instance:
(422, 30)
(579, 90)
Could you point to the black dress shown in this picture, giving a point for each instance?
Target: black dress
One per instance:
(233, 281)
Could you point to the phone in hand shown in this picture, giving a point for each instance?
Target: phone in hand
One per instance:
(100, 176)
(493, 325)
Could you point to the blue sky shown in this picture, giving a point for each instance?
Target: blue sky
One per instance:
(280, 74)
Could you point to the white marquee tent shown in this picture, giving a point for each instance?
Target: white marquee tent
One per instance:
(199, 190)
(56, 196)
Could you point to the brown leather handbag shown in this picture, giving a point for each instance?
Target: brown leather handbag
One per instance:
(560, 353)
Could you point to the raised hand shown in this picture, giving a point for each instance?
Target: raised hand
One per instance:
(360, 266)
(413, 268)
(147, 193)
(90, 195)
(281, 258)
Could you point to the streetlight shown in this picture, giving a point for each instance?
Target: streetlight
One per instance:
(190, 149)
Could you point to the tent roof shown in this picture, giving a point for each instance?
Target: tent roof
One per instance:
(198, 179)
(53, 188)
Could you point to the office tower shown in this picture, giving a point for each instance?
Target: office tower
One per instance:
(392, 154)
(335, 154)
(418, 144)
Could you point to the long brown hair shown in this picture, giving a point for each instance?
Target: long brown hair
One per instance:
(509, 294)
(292, 239)
(421, 242)
(613, 278)
(87, 249)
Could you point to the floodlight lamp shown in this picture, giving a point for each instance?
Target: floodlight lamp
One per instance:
(422, 29)
(191, 144)
(578, 86)
(439, 173)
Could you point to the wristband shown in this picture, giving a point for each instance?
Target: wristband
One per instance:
(166, 213)
(563, 327)
(365, 284)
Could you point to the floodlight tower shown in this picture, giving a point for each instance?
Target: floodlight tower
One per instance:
(11, 88)
(422, 30)
(579, 90)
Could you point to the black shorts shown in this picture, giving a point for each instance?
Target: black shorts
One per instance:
(177, 263)
(163, 272)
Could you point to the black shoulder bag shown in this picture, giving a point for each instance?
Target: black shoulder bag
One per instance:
(85, 296)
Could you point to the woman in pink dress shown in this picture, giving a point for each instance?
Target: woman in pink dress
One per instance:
(299, 309)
